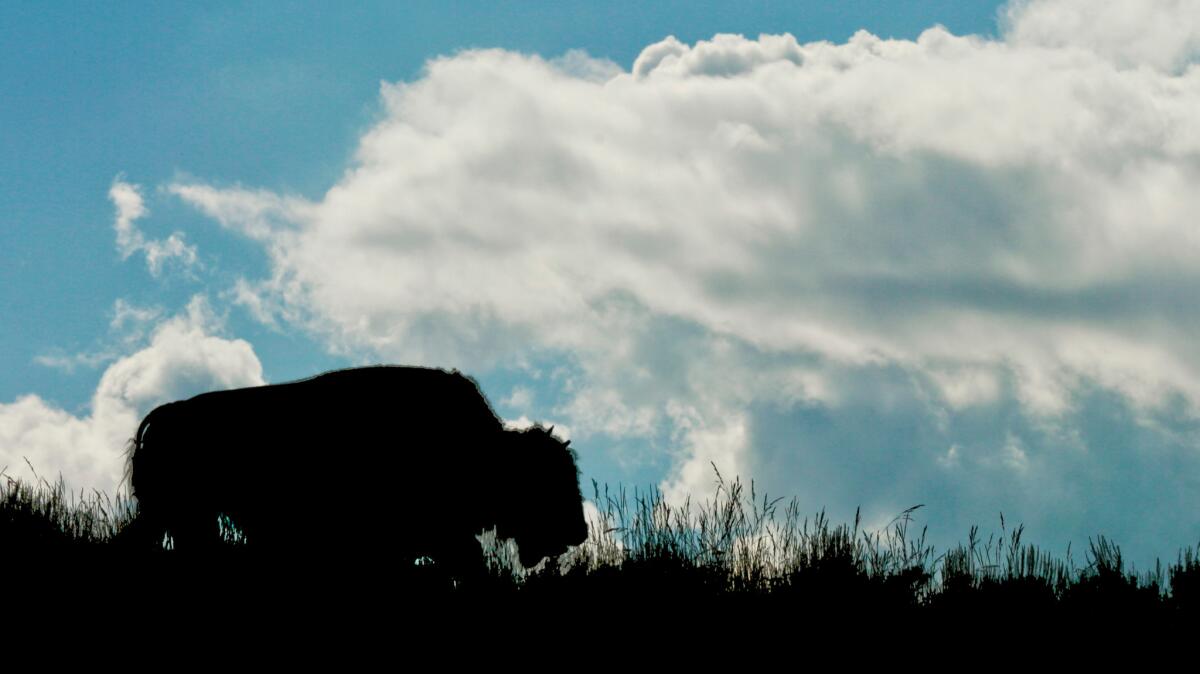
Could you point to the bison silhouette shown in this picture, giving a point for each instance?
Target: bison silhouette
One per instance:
(398, 462)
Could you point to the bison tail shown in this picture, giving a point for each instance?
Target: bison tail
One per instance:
(137, 443)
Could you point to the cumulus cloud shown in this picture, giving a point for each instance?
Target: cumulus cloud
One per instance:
(873, 271)
(1162, 34)
(184, 357)
(130, 207)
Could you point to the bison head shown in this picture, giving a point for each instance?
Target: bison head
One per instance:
(540, 493)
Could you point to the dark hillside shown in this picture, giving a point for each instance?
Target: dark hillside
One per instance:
(736, 549)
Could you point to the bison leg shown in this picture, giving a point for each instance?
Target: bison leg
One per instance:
(195, 532)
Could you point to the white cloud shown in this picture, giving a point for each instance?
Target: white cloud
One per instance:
(183, 357)
(882, 232)
(68, 362)
(521, 398)
(706, 442)
(1162, 34)
(127, 315)
(723, 56)
(130, 207)
(254, 213)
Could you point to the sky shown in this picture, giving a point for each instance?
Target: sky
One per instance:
(866, 254)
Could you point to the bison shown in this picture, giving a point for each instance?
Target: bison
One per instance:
(402, 462)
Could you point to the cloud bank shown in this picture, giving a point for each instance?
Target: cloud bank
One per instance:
(954, 270)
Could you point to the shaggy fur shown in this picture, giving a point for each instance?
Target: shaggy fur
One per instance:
(390, 460)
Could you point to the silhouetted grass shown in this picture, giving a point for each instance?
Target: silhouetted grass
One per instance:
(734, 546)
(739, 545)
(44, 516)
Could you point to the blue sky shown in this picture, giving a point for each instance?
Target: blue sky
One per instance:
(860, 259)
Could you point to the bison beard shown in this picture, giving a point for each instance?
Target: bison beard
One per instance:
(375, 463)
